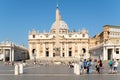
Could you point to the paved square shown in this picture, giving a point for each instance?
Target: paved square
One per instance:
(53, 72)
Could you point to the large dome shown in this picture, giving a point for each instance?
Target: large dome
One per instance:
(63, 25)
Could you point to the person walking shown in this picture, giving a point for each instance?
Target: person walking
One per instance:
(98, 67)
(85, 65)
(101, 66)
(81, 67)
(111, 66)
(89, 65)
(115, 66)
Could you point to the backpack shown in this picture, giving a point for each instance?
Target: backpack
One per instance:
(110, 63)
(85, 63)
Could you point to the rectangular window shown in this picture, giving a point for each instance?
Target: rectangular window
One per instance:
(33, 36)
(117, 51)
(63, 54)
(47, 53)
(53, 54)
(83, 35)
(70, 53)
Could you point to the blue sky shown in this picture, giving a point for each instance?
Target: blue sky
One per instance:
(18, 17)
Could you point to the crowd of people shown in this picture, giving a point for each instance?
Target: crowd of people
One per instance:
(86, 66)
(113, 66)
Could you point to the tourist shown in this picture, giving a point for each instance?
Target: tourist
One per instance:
(85, 65)
(81, 66)
(111, 65)
(98, 67)
(89, 65)
(115, 65)
(101, 66)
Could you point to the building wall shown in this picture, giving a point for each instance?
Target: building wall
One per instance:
(76, 43)
(12, 52)
(59, 43)
(109, 42)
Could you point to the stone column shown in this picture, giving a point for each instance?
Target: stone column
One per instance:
(79, 50)
(51, 50)
(13, 52)
(10, 54)
(105, 53)
(113, 53)
(37, 51)
(44, 50)
(73, 50)
(61, 50)
(3, 54)
(66, 50)
(30, 51)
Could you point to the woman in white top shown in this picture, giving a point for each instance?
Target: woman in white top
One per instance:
(115, 66)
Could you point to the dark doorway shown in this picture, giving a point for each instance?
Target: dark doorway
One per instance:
(53, 54)
(47, 53)
(109, 54)
(63, 54)
(83, 50)
(33, 52)
(7, 55)
(70, 53)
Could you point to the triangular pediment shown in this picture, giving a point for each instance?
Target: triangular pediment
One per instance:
(109, 42)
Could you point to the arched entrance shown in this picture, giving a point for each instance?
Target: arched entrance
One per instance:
(84, 53)
(83, 50)
(34, 54)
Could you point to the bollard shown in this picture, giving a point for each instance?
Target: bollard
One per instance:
(21, 68)
(16, 70)
(76, 69)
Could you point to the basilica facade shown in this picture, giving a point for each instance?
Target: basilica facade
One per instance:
(59, 43)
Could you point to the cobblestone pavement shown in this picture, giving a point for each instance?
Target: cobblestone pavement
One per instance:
(53, 72)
